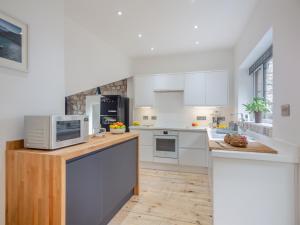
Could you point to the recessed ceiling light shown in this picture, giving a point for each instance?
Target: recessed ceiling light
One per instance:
(140, 35)
(196, 27)
(120, 13)
(197, 42)
(152, 49)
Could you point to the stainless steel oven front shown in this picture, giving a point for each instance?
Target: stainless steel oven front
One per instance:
(166, 144)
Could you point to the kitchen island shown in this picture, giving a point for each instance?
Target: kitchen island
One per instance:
(77, 185)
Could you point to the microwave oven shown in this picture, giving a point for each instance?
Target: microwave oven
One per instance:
(55, 131)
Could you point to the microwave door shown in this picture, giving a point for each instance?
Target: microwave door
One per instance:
(66, 132)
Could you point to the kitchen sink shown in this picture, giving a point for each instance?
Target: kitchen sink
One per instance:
(219, 134)
(226, 131)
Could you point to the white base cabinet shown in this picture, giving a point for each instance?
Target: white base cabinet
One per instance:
(146, 153)
(193, 157)
(145, 145)
(192, 148)
(196, 140)
(248, 192)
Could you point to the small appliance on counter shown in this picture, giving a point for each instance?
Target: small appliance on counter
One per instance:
(217, 120)
(55, 131)
(114, 108)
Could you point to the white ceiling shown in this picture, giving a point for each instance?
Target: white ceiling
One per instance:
(166, 25)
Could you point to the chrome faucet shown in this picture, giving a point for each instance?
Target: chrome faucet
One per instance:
(236, 114)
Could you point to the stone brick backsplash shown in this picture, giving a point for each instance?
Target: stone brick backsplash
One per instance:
(76, 103)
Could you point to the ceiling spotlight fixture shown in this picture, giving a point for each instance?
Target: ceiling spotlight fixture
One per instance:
(120, 13)
(140, 35)
(197, 42)
(196, 27)
(152, 49)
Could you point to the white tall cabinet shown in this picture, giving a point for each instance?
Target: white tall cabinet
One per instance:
(143, 91)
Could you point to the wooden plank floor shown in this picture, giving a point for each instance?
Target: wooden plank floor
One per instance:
(168, 198)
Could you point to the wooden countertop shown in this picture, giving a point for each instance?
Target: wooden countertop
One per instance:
(94, 144)
(252, 147)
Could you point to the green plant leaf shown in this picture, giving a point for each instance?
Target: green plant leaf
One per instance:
(257, 105)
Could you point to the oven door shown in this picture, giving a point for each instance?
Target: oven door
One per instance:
(67, 130)
(166, 146)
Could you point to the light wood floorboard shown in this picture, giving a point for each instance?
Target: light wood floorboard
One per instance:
(168, 198)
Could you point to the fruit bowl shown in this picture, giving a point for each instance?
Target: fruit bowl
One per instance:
(117, 128)
(117, 131)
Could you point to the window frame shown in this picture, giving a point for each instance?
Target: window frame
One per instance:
(263, 68)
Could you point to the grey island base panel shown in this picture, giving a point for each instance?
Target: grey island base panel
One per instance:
(99, 184)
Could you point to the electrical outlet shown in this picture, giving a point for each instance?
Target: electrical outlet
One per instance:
(286, 110)
(153, 117)
(145, 117)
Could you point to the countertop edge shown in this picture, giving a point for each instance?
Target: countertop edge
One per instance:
(282, 158)
(169, 128)
(71, 152)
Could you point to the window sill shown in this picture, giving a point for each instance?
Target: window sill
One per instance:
(260, 128)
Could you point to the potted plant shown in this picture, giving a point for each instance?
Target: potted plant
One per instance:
(258, 106)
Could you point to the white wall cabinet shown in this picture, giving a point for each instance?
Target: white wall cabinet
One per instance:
(143, 91)
(206, 89)
(193, 140)
(194, 89)
(168, 82)
(193, 157)
(216, 92)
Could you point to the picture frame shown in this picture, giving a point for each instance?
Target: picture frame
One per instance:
(13, 43)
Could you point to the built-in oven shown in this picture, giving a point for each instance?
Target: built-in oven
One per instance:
(166, 144)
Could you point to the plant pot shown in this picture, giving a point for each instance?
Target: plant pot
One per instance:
(258, 117)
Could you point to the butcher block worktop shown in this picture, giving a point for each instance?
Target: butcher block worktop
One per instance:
(94, 144)
(252, 147)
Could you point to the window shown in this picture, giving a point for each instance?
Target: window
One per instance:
(262, 72)
(268, 87)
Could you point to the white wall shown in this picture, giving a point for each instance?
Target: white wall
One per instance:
(197, 61)
(283, 17)
(90, 62)
(41, 90)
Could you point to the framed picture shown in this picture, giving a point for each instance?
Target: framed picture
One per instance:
(13, 43)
